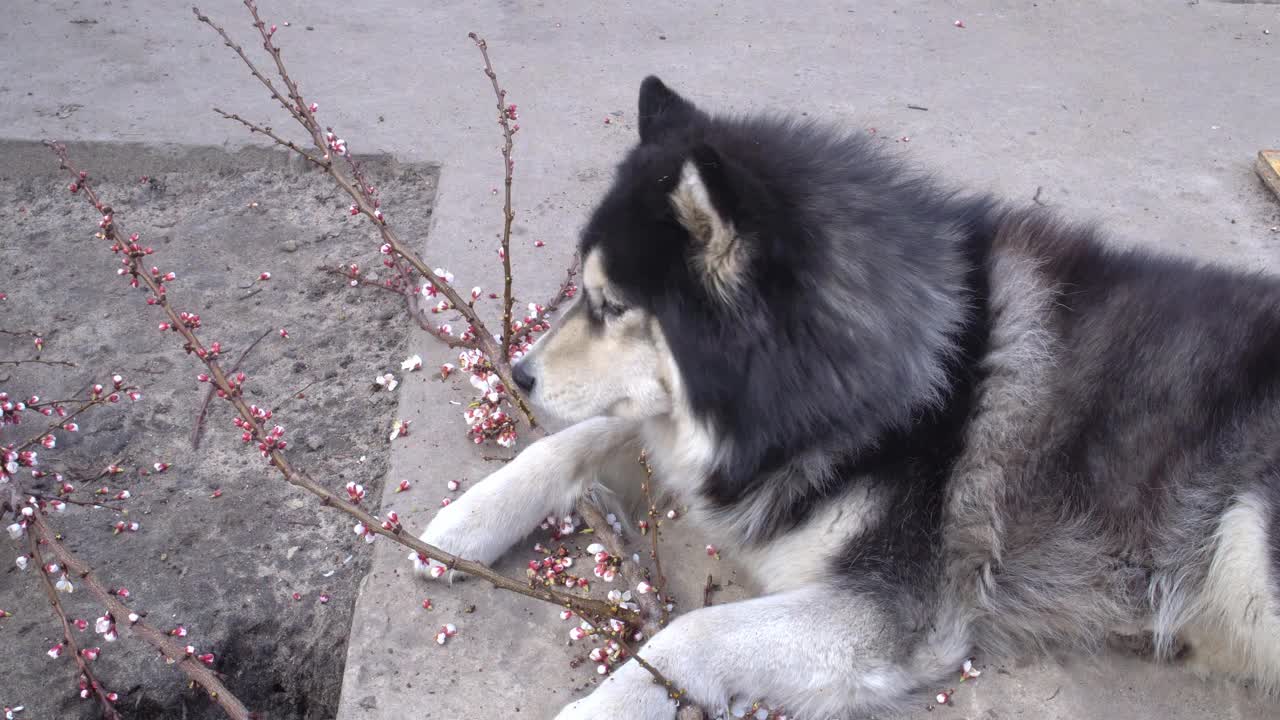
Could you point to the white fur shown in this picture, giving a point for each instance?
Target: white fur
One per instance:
(803, 557)
(545, 479)
(1236, 629)
(818, 653)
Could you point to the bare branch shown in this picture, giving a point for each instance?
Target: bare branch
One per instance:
(37, 361)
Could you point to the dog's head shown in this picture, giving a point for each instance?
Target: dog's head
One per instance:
(665, 233)
(772, 278)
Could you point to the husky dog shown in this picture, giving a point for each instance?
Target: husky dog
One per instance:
(939, 424)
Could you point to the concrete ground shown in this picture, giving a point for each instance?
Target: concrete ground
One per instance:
(1143, 114)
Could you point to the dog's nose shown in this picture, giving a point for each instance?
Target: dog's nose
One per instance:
(523, 377)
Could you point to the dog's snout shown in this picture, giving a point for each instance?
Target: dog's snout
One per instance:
(523, 377)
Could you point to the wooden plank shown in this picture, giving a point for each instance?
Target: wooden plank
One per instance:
(1268, 167)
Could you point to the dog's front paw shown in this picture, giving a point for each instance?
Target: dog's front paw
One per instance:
(461, 531)
(625, 694)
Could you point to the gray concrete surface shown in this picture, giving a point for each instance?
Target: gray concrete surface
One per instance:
(1143, 114)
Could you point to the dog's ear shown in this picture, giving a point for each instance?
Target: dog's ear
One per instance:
(705, 201)
(661, 110)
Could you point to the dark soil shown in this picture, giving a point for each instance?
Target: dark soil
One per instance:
(243, 572)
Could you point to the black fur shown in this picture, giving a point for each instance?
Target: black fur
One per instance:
(859, 338)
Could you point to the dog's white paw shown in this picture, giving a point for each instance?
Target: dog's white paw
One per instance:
(461, 531)
(625, 694)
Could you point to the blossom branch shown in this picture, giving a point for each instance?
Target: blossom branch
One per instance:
(68, 639)
(650, 609)
(567, 289)
(251, 420)
(204, 404)
(412, 306)
(363, 202)
(506, 113)
(65, 420)
(73, 501)
(172, 652)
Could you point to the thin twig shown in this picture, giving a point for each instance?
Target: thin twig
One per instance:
(660, 586)
(83, 503)
(108, 710)
(204, 405)
(63, 421)
(267, 131)
(508, 166)
(173, 653)
(252, 424)
(673, 691)
(651, 606)
(567, 288)
(293, 395)
(252, 68)
(303, 113)
(411, 305)
(37, 361)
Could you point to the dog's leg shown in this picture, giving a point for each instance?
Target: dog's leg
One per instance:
(817, 653)
(545, 479)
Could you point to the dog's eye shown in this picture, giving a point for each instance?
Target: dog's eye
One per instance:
(612, 309)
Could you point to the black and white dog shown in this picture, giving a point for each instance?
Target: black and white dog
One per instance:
(943, 425)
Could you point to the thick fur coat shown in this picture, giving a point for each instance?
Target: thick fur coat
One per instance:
(945, 425)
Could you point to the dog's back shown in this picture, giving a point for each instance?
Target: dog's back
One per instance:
(1149, 490)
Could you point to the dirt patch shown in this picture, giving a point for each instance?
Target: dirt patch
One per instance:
(244, 572)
